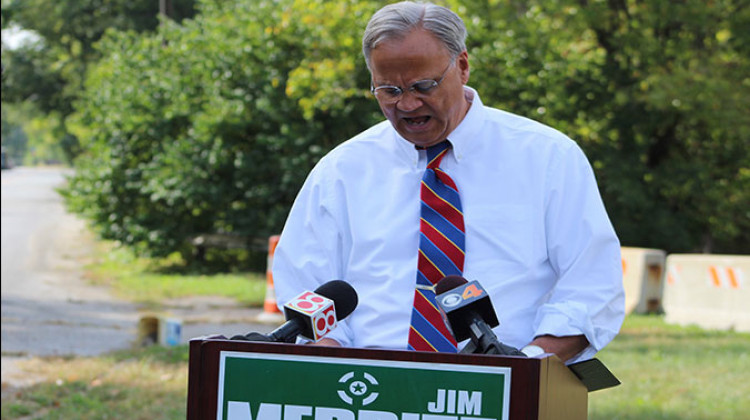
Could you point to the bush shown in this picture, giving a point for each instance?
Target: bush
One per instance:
(211, 125)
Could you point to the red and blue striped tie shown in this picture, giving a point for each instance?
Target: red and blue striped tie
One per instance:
(441, 253)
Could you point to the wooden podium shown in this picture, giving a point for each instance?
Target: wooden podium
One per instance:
(272, 381)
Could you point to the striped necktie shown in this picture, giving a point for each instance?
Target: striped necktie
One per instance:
(441, 253)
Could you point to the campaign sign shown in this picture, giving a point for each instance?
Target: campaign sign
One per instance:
(260, 386)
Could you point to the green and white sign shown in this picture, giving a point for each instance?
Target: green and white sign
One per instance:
(260, 386)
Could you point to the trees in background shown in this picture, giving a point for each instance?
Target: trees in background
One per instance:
(43, 79)
(211, 125)
(657, 93)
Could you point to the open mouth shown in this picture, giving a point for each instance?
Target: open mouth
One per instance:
(417, 121)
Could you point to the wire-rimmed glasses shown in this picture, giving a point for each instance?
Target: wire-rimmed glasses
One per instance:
(388, 94)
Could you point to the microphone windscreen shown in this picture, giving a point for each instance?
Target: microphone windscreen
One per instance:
(463, 303)
(449, 283)
(342, 294)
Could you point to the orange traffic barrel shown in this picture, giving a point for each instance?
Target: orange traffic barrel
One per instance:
(269, 304)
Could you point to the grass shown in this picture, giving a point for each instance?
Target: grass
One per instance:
(147, 383)
(668, 372)
(150, 281)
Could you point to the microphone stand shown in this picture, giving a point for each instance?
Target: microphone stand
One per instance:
(253, 336)
(484, 340)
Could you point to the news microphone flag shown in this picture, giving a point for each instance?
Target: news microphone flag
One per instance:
(317, 313)
(460, 303)
(312, 314)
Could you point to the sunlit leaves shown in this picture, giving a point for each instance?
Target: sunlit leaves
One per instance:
(211, 125)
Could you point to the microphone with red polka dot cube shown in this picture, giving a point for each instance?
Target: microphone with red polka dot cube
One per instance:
(312, 315)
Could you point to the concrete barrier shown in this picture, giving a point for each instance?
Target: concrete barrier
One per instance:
(643, 279)
(710, 291)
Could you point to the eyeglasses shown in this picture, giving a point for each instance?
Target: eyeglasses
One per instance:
(391, 94)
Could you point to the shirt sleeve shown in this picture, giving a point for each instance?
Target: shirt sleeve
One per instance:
(583, 249)
(310, 247)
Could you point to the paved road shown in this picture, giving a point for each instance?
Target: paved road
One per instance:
(48, 309)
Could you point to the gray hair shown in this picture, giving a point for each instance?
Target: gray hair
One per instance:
(396, 21)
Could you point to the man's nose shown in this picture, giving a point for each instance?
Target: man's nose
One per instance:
(409, 101)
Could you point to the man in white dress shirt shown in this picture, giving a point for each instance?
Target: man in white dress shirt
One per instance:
(537, 237)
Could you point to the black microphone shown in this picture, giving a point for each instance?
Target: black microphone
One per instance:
(312, 314)
(470, 314)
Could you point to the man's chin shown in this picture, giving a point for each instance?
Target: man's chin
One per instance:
(420, 143)
(420, 139)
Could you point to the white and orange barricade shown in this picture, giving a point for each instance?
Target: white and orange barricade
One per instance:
(707, 290)
(643, 279)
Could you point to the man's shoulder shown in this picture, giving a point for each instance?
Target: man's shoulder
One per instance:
(375, 133)
(518, 126)
(367, 140)
(371, 142)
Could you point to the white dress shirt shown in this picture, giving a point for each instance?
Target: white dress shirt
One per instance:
(537, 235)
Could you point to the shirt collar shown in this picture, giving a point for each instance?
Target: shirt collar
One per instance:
(461, 136)
(468, 129)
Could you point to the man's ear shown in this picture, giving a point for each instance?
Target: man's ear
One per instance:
(462, 61)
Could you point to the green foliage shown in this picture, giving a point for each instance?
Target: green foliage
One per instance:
(50, 73)
(30, 136)
(656, 93)
(211, 125)
(15, 140)
(28, 74)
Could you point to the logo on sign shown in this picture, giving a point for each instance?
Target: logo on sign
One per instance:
(319, 310)
(324, 322)
(358, 389)
(470, 291)
(309, 302)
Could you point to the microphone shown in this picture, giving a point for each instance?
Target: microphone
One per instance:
(470, 314)
(312, 314)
